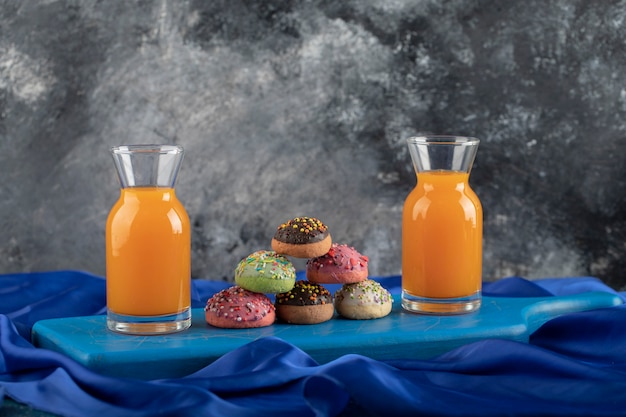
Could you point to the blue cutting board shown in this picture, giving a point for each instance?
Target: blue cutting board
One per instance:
(400, 335)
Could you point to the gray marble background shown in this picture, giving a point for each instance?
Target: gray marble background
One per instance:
(290, 108)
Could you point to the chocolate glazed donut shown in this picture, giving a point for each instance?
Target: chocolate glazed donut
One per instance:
(302, 237)
(306, 303)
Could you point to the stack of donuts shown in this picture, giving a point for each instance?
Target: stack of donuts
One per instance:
(263, 272)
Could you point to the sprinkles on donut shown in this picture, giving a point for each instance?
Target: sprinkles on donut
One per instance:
(305, 303)
(342, 264)
(237, 308)
(302, 237)
(265, 271)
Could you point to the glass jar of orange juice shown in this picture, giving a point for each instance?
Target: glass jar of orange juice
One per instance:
(442, 229)
(148, 244)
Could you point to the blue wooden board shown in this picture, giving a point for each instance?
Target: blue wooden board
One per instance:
(400, 335)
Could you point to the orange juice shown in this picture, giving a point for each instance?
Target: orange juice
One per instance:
(442, 237)
(148, 253)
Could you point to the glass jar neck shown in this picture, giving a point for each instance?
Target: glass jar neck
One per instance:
(442, 153)
(147, 165)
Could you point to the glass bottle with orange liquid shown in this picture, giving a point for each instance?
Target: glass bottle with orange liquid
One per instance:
(148, 244)
(442, 229)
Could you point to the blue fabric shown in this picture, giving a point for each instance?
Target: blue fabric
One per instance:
(574, 365)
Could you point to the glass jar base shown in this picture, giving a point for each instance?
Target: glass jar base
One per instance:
(149, 325)
(441, 306)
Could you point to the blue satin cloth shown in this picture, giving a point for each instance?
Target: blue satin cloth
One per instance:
(574, 365)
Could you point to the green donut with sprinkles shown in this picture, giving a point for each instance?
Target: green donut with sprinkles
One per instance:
(266, 272)
(302, 237)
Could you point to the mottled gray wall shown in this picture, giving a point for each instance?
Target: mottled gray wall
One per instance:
(292, 108)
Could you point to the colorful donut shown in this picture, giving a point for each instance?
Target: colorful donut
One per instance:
(266, 272)
(302, 237)
(363, 300)
(237, 308)
(306, 303)
(342, 264)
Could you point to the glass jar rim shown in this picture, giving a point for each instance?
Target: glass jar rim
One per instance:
(147, 148)
(444, 140)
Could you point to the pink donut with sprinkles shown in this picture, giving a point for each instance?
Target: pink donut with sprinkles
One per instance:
(342, 264)
(236, 308)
